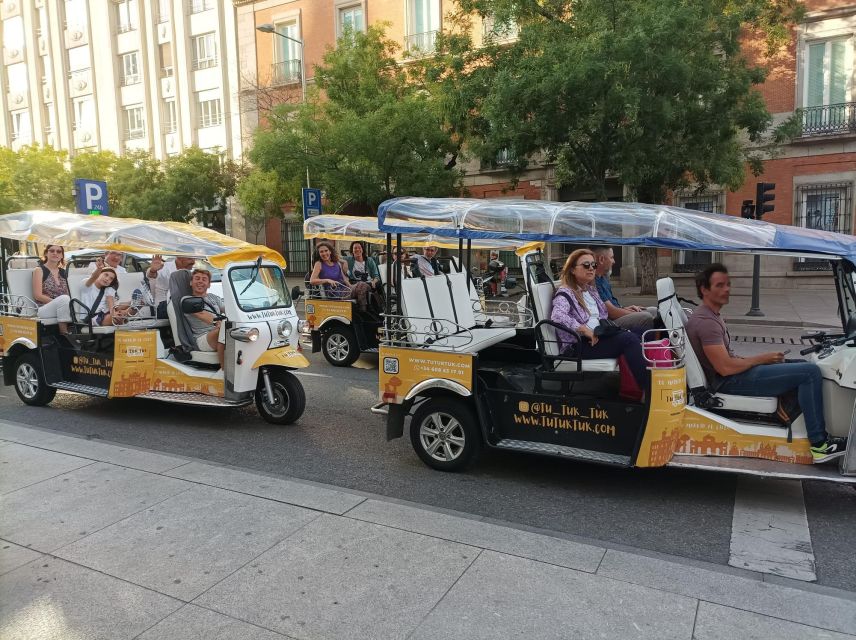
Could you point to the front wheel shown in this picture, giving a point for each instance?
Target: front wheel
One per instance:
(30, 382)
(289, 398)
(339, 345)
(444, 434)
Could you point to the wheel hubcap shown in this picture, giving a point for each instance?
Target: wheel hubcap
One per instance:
(280, 396)
(338, 347)
(28, 381)
(442, 437)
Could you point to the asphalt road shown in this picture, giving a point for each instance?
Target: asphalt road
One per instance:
(339, 442)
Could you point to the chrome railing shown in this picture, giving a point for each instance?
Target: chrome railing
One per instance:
(828, 119)
(285, 72)
(19, 306)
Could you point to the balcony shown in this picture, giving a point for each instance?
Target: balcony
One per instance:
(125, 27)
(828, 120)
(286, 72)
(135, 133)
(420, 43)
(198, 6)
(131, 78)
(204, 63)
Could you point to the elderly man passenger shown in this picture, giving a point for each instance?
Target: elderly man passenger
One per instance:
(636, 319)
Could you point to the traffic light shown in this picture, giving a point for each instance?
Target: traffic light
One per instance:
(761, 196)
(747, 210)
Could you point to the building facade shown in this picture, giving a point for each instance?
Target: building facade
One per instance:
(119, 75)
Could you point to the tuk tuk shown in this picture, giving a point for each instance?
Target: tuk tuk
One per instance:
(149, 357)
(334, 324)
(467, 385)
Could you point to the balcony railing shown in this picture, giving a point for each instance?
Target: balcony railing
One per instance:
(131, 78)
(167, 72)
(204, 63)
(135, 134)
(828, 119)
(125, 27)
(286, 72)
(420, 42)
(198, 6)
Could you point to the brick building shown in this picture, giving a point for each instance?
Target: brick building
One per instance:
(813, 77)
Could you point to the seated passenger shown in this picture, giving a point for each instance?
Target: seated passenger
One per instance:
(637, 319)
(99, 295)
(112, 259)
(155, 281)
(50, 287)
(766, 374)
(427, 262)
(209, 333)
(363, 274)
(577, 306)
(329, 272)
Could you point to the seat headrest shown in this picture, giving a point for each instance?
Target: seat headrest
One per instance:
(665, 288)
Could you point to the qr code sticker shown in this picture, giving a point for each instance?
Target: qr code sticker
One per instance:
(390, 365)
(310, 308)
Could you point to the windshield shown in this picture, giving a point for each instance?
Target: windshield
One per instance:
(267, 291)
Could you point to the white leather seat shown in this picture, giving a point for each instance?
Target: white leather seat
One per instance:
(542, 294)
(674, 317)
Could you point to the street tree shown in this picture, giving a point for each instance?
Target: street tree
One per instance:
(261, 195)
(366, 133)
(34, 177)
(653, 91)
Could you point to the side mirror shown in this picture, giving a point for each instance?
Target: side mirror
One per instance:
(192, 304)
(296, 293)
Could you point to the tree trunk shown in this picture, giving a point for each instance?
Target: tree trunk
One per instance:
(648, 267)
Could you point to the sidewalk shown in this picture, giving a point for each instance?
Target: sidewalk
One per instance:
(105, 541)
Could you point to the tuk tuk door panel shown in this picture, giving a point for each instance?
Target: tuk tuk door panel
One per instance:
(134, 358)
(584, 423)
(317, 311)
(402, 369)
(665, 417)
(13, 328)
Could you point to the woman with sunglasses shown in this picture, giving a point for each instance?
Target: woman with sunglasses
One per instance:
(50, 287)
(577, 306)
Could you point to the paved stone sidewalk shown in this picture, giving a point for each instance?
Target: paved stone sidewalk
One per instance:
(106, 541)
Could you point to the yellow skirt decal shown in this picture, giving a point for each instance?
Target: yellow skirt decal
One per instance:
(317, 311)
(666, 414)
(284, 357)
(13, 328)
(402, 369)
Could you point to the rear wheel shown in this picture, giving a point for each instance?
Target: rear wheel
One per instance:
(289, 398)
(445, 435)
(30, 381)
(339, 346)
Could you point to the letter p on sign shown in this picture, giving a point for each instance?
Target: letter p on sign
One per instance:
(91, 196)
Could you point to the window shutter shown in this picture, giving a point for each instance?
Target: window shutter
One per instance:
(837, 73)
(814, 95)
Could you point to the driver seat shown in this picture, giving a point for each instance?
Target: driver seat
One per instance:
(674, 317)
(179, 288)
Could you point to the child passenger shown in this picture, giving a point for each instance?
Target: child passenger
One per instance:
(99, 295)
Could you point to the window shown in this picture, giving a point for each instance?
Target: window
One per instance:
(423, 24)
(13, 35)
(166, 59)
(827, 207)
(693, 261)
(204, 51)
(127, 13)
(208, 109)
(135, 123)
(164, 10)
(83, 112)
(50, 129)
(826, 89)
(198, 6)
(351, 19)
(286, 66)
(75, 13)
(22, 132)
(130, 68)
(499, 32)
(16, 74)
(78, 58)
(170, 116)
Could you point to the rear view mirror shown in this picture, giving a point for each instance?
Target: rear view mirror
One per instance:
(296, 293)
(192, 304)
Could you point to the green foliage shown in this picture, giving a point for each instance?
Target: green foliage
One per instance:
(366, 133)
(262, 195)
(34, 178)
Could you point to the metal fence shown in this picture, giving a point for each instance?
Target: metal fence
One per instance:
(294, 248)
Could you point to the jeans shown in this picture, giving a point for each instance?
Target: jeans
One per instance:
(776, 379)
(625, 344)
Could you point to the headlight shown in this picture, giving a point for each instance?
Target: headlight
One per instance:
(302, 326)
(245, 334)
(284, 329)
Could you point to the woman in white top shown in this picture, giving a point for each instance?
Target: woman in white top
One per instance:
(99, 295)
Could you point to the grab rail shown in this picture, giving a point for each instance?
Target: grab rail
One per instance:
(653, 348)
(503, 314)
(415, 332)
(18, 306)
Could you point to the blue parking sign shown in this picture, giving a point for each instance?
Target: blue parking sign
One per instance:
(311, 203)
(91, 196)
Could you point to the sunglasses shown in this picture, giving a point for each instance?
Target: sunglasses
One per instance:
(587, 265)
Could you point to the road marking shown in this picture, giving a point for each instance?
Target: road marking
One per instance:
(769, 531)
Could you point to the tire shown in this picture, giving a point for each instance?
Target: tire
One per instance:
(30, 382)
(289, 395)
(445, 435)
(339, 346)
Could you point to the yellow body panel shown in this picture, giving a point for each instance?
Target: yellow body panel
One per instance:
(12, 328)
(402, 369)
(317, 311)
(284, 357)
(665, 415)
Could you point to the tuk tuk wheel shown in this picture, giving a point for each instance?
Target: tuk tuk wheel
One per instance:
(289, 398)
(339, 346)
(30, 382)
(444, 434)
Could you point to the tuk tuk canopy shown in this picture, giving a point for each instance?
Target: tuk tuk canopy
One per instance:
(357, 228)
(76, 231)
(613, 223)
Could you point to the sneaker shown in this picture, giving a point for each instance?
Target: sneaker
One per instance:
(829, 450)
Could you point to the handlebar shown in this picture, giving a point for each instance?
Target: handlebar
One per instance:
(808, 350)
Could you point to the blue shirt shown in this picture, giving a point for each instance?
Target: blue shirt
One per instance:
(604, 290)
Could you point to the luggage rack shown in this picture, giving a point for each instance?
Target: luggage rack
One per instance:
(18, 306)
(653, 348)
